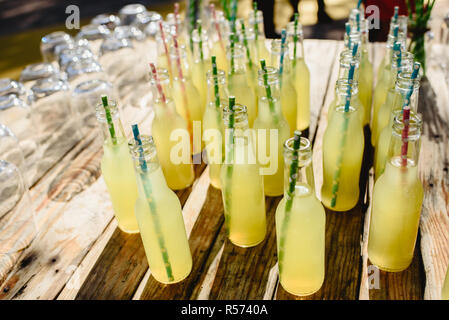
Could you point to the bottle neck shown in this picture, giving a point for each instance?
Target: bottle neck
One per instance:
(111, 126)
(305, 182)
(144, 156)
(200, 46)
(341, 90)
(405, 87)
(236, 59)
(346, 59)
(268, 84)
(216, 88)
(276, 52)
(180, 65)
(256, 23)
(295, 37)
(161, 91)
(396, 148)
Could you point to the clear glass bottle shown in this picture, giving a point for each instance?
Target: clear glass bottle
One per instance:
(213, 124)
(403, 85)
(8, 86)
(238, 82)
(178, 172)
(117, 167)
(159, 214)
(95, 34)
(341, 92)
(255, 20)
(343, 145)
(110, 21)
(68, 55)
(403, 62)
(270, 120)
(83, 70)
(129, 13)
(36, 71)
(346, 59)
(301, 75)
(200, 63)
(288, 92)
(185, 93)
(242, 184)
(396, 204)
(300, 230)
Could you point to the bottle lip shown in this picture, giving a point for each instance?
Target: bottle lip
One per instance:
(108, 20)
(291, 30)
(404, 81)
(341, 109)
(272, 76)
(196, 36)
(142, 152)
(10, 101)
(129, 12)
(346, 57)
(37, 71)
(162, 74)
(259, 17)
(113, 44)
(221, 77)
(240, 114)
(79, 43)
(415, 125)
(128, 32)
(78, 53)
(80, 66)
(304, 147)
(182, 51)
(101, 113)
(56, 38)
(48, 86)
(343, 84)
(276, 46)
(238, 51)
(92, 86)
(8, 86)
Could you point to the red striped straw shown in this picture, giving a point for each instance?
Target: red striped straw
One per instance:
(158, 82)
(404, 148)
(176, 17)
(161, 27)
(178, 57)
(217, 27)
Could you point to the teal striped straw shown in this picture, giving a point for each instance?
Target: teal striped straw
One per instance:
(359, 3)
(281, 62)
(151, 203)
(336, 180)
(416, 67)
(290, 195)
(396, 13)
(348, 32)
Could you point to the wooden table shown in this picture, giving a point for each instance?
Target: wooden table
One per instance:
(81, 254)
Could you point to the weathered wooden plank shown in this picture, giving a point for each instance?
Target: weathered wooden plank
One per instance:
(122, 264)
(434, 173)
(202, 238)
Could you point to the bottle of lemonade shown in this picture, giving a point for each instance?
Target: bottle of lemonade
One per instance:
(341, 90)
(403, 61)
(185, 93)
(300, 223)
(219, 34)
(212, 122)
(288, 92)
(365, 74)
(397, 200)
(255, 20)
(238, 81)
(343, 144)
(445, 290)
(159, 214)
(117, 166)
(241, 182)
(403, 85)
(201, 62)
(300, 75)
(269, 120)
(179, 175)
(381, 151)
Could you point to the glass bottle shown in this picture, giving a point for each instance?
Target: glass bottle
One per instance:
(50, 41)
(445, 289)
(129, 13)
(341, 92)
(178, 172)
(300, 232)
(255, 20)
(301, 76)
(242, 183)
(110, 21)
(403, 61)
(68, 55)
(36, 71)
(343, 145)
(288, 92)
(272, 130)
(213, 124)
(201, 63)
(95, 34)
(396, 206)
(403, 85)
(85, 69)
(159, 214)
(117, 167)
(238, 82)
(8, 86)
(185, 94)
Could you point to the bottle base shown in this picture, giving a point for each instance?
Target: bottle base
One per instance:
(301, 294)
(132, 231)
(176, 281)
(389, 269)
(246, 245)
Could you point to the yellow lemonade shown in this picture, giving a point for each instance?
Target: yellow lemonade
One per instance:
(178, 172)
(117, 169)
(159, 215)
(445, 290)
(300, 232)
(272, 131)
(242, 185)
(201, 64)
(366, 85)
(342, 159)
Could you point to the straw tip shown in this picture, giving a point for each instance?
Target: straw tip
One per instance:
(297, 134)
(104, 100)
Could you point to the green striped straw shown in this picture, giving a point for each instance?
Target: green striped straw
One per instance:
(216, 88)
(256, 25)
(151, 203)
(268, 90)
(336, 180)
(225, 5)
(230, 167)
(200, 34)
(295, 38)
(107, 111)
(232, 46)
(281, 62)
(245, 43)
(234, 16)
(191, 10)
(290, 196)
